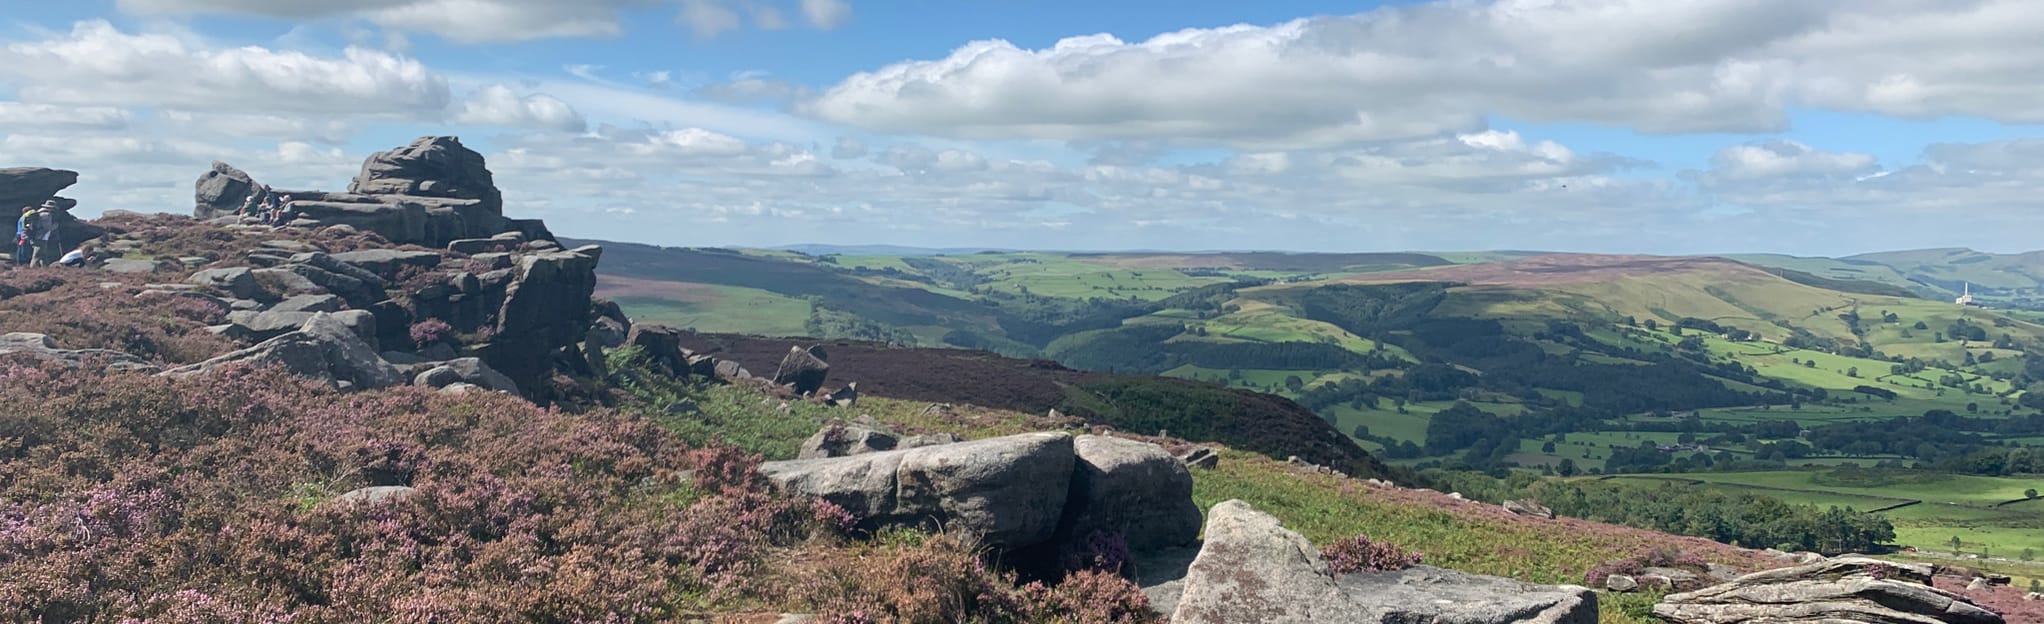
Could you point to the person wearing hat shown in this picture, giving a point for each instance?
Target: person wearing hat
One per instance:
(22, 247)
(48, 244)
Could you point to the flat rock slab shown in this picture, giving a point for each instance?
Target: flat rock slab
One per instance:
(1010, 491)
(1430, 594)
(1842, 589)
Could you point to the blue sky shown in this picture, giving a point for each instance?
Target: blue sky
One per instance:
(1626, 126)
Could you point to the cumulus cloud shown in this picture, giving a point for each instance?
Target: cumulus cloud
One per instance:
(707, 18)
(96, 64)
(848, 148)
(1783, 157)
(498, 105)
(1410, 71)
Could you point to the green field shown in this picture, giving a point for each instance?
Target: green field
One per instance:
(723, 309)
(1953, 505)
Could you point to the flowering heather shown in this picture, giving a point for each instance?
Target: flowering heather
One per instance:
(78, 312)
(1361, 554)
(430, 331)
(136, 498)
(944, 579)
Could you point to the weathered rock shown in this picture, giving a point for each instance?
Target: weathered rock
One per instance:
(475, 371)
(375, 495)
(136, 265)
(40, 347)
(437, 377)
(324, 348)
(269, 324)
(386, 263)
(1201, 457)
(804, 369)
(1977, 584)
(661, 343)
(730, 370)
(545, 311)
(289, 246)
(681, 408)
(1842, 589)
(1529, 507)
(1161, 575)
(287, 281)
(308, 303)
(1009, 490)
(1678, 579)
(1132, 488)
(2033, 596)
(461, 388)
(928, 439)
(1252, 569)
(841, 440)
(430, 167)
(1430, 594)
(221, 190)
(30, 186)
(474, 246)
(1721, 572)
(1620, 583)
(607, 333)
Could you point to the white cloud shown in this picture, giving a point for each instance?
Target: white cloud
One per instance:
(1400, 72)
(752, 89)
(498, 105)
(768, 18)
(98, 65)
(827, 14)
(707, 18)
(260, 127)
(17, 114)
(1786, 158)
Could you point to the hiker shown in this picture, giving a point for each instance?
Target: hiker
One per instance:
(22, 247)
(247, 205)
(75, 257)
(284, 214)
(43, 233)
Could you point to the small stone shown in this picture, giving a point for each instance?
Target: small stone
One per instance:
(1620, 583)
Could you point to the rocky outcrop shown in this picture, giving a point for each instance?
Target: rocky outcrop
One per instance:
(468, 370)
(388, 263)
(324, 348)
(1010, 491)
(374, 495)
(1841, 589)
(430, 192)
(1130, 488)
(1252, 569)
(662, 345)
(221, 190)
(804, 370)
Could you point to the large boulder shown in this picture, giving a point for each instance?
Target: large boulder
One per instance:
(438, 166)
(545, 311)
(387, 263)
(1009, 491)
(324, 348)
(221, 190)
(1251, 569)
(1529, 507)
(237, 281)
(661, 343)
(803, 369)
(1841, 589)
(1136, 489)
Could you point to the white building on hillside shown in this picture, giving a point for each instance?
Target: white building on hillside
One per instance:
(1967, 298)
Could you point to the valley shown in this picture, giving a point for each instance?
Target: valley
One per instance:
(1746, 374)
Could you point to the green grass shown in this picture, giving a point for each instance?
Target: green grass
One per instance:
(1953, 505)
(723, 309)
(1056, 275)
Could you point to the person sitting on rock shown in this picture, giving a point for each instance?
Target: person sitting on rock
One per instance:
(247, 205)
(284, 214)
(23, 248)
(269, 210)
(43, 233)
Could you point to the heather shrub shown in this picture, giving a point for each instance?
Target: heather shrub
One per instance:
(1088, 597)
(207, 500)
(75, 310)
(430, 331)
(1661, 556)
(942, 578)
(1361, 554)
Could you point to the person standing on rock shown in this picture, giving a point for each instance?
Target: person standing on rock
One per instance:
(48, 244)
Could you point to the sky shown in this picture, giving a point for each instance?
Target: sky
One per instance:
(1812, 127)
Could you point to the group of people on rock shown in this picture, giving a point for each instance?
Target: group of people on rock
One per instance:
(39, 238)
(272, 208)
